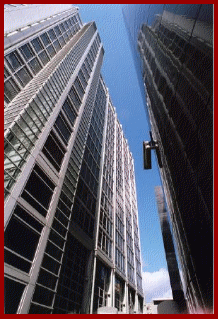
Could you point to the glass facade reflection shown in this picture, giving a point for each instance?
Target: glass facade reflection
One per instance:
(63, 244)
(172, 46)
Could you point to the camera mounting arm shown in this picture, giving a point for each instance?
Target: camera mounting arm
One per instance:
(147, 147)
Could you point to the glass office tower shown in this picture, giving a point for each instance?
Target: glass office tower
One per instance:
(172, 45)
(71, 221)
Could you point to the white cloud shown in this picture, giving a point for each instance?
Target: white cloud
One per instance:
(156, 285)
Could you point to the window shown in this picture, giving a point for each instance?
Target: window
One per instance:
(47, 279)
(43, 296)
(14, 60)
(44, 57)
(35, 65)
(6, 73)
(50, 264)
(21, 239)
(37, 45)
(51, 50)
(45, 39)
(82, 79)
(27, 52)
(65, 37)
(62, 27)
(37, 309)
(67, 24)
(52, 34)
(68, 109)
(57, 45)
(57, 31)
(61, 40)
(57, 240)
(54, 151)
(74, 98)
(79, 88)
(53, 251)
(38, 190)
(85, 72)
(63, 129)
(10, 89)
(13, 291)
(23, 76)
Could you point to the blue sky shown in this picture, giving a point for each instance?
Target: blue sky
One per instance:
(120, 77)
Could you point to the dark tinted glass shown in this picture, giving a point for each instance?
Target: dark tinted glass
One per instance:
(54, 151)
(67, 107)
(13, 291)
(38, 190)
(63, 128)
(20, 238)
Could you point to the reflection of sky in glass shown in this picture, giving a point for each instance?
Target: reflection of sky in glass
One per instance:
(153, 11)
(137, 14)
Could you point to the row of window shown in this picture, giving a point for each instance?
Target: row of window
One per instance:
(77, 152)
(25, 132)
(23, 64)
(119, 224)
(139, 282)
(129, 240)
(106, 204)
(130, 256)
(89, 169)
(69, 185)
(119, 260)
(105, 243)
(82, 217)
(119, 241)
(130, 273)
(106, 223)
(66, 295)
(86, 187)
(107, 190)
(120, 207)
(106, 211)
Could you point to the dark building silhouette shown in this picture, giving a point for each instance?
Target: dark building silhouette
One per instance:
(172, 47)
(175, 280)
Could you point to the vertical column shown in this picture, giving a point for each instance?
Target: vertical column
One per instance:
(110, 302)
(88, 284)
(125, 299)
(136, 306)
(114, 205)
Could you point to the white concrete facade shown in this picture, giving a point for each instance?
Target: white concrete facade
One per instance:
(61, 176)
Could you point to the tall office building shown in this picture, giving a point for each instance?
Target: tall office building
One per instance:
(172, 47)
(71, 221)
